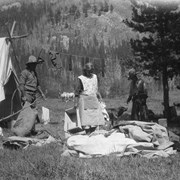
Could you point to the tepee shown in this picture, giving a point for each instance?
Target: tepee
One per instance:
(9, 95)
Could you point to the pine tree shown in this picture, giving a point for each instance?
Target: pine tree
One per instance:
(106, 7)
(86, 14)
(111, 8)
(94, 9)
(85, 8)
(73, 10)
(157, 50)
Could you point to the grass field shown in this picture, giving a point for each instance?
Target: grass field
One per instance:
(46, 162)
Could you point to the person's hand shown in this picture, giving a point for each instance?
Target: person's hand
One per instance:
(43, 96)
(24, 98)
(129, 99)
(100, 100)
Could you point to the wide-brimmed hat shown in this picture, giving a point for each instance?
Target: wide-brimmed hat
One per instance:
(32, 60)
(132, 72)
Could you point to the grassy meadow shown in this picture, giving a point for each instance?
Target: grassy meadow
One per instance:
(85, 25)
(46, 162)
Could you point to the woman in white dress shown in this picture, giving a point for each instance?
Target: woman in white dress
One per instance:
(86, 100)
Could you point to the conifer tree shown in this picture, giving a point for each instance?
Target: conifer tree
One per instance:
(94, 9)
(106, 7)
(111, 8)
(158, 48)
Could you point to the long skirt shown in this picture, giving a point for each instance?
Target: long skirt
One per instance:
(90, 111)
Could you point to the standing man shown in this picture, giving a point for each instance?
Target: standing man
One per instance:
(29, 84)
(138, 95)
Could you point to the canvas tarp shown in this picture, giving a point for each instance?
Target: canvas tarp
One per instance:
(8, 82)
(133, 137)
(16, 142)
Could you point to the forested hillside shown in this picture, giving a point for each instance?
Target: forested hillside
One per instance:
(80, 31)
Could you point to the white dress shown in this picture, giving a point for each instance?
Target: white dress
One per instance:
(89, 107)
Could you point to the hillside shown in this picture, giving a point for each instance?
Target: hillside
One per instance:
(81, 31)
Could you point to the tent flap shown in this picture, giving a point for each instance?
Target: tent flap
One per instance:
(5, 65)
(9, 96)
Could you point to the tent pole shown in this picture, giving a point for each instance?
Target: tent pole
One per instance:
(10, 33)
(12, 29)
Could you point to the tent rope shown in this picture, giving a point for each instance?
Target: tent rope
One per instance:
(12, 98)
(11, 115)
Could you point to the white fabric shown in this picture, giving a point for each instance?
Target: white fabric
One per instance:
(105, 113)
(71, 123)
(99, 145)
(1, 132)
(31, 141)
(151, 141)
(5, 66)
(45, 115)
(90, 85)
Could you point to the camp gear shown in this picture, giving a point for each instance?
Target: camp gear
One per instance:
(25, 122)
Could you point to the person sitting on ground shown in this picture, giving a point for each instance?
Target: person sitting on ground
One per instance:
(138, 95)
(86, 100)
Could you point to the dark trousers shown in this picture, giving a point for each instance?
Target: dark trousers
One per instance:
(139, 109)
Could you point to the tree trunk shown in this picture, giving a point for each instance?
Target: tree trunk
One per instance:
(166, 94)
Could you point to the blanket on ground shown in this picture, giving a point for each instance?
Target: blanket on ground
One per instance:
(130, 137)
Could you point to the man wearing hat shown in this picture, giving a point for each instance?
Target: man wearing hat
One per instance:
(29, 84)
(138, 95)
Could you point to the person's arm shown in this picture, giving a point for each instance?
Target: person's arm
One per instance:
(98, 94)
(145, 93)
(78, 90)
(22, 82)
(129, 99)
(131, 92)
(145, 89)
(39, 88)
(41, 92)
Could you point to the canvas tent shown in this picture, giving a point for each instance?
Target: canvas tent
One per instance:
(9, 94)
